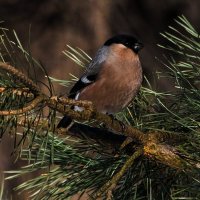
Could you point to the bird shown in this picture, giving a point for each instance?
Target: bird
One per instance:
(112, 79)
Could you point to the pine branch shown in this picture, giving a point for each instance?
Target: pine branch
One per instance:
(151, 146)
(159, 154)
(20, 76)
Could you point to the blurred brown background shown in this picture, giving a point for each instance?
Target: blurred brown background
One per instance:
(87, 24)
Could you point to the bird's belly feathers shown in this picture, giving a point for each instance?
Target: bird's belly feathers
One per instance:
(112, 94)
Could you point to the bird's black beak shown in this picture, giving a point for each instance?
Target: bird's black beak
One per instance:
(138, 46)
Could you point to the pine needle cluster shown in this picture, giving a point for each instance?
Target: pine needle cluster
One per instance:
(157, 156)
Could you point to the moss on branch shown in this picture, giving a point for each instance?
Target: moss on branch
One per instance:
(152, 144)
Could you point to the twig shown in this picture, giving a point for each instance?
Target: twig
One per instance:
(86, 104)
(60, 104)
(20, 76)
(18, 91)
(111, 184)
(25, 109)
(150, 141)
(91, 113)
(165, 154)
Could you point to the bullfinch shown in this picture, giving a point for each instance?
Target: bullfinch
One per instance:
(112, 79)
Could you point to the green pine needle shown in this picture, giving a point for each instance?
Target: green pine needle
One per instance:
(69, 166)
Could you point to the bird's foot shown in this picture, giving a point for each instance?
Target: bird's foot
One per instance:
(123, 126)
(65, 130)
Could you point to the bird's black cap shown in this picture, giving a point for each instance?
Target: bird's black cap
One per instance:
(127, 40)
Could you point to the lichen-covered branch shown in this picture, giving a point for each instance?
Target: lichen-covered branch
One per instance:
(111, 184)
(152, 144)
(30, 106)
(20, 76)
(89, 113)
(20, 92)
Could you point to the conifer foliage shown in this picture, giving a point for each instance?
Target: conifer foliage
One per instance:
(154, 155)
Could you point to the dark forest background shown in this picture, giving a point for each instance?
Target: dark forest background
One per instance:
(87, 24)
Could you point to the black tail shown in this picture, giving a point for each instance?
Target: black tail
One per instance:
(64, 122)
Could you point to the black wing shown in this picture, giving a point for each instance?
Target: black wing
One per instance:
(79, 85)
(83, 82)
(91, 72)
(88, 78)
